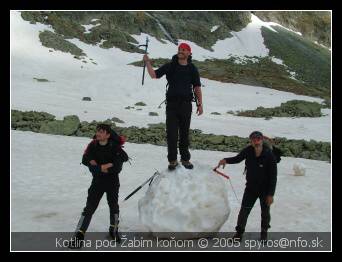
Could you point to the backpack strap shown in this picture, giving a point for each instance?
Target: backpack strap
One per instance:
(170, 74)
(194, 96)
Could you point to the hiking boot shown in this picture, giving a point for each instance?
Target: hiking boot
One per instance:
(173, 165)
(77, 241)
(237, 237)
(263, 235)
(187, 164)
(114, 234)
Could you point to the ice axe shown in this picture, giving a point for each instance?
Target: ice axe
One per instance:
(139, 187)
(146, 46)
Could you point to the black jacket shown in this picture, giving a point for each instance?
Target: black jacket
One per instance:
(261, 174)
(109, 153)
(181, 79)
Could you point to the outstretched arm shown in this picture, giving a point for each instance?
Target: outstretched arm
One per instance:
(238, 158)
(232, 160)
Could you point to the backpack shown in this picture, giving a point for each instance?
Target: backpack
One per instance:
(115, 141)
(277, 153)
(169, 75)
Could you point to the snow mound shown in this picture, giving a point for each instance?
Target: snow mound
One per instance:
(299, 169)
(185, 201)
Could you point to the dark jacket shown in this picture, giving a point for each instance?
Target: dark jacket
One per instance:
(181, 79)
(109, 153)
(261, 174)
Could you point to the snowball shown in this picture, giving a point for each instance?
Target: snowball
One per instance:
(185, 200)
(299, 169)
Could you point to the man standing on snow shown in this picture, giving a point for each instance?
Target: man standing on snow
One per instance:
(183, 83)
(261, 179)
(104, 157)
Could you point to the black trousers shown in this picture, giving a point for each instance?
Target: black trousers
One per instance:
(248, 201)
(178, 118)
(100, 185)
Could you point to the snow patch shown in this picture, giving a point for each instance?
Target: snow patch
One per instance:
(185, 201)
(277, 60)
(89, 27)
(214, 28)
(299, 169)
(258, 22)
(322, 45)
(293, 75)
(269, 25)
(242, 60)
(281, 62)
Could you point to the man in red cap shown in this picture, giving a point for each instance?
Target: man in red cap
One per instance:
(184, 86)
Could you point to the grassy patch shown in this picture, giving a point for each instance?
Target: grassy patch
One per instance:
(115, 28)
(41, 79)
(310, 62)
(294, 108)
(315, 26)
(117, 120)
(140, 104)
(57, 42)
(155, 134)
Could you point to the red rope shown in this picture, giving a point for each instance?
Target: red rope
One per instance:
(221, 174)
(224, 175)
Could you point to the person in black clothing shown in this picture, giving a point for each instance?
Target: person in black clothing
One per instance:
(104, 157)
(183, 83)
(261, 179)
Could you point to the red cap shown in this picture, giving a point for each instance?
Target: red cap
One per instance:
(185, 46)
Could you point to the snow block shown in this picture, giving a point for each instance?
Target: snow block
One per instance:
(299, 169)
(185, 200)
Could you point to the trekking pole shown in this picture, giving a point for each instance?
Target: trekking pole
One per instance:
(146, 46)
(227, 177)
(139, 187)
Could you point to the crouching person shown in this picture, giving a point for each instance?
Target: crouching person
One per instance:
(261, 179)
(104, 157)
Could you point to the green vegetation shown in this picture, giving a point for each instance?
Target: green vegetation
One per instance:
(57, 42)
(294, 108)
(117, 120)
(140, 104)
(41, 79)
(314, 25)
(155, 134)
(310, 62)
